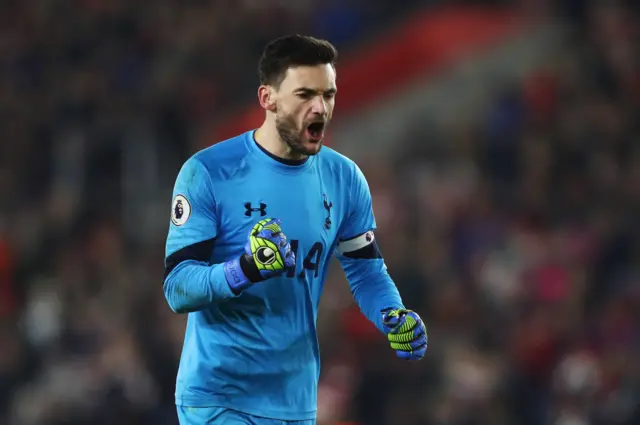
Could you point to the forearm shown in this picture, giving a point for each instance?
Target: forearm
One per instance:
(193, 286)
(372, 287)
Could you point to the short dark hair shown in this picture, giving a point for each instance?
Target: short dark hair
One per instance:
(291, 51)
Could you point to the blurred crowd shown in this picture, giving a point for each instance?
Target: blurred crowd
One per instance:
(515, 238)
(518, 238)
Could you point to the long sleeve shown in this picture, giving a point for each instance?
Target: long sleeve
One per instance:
(371, 286)
(191, 283)
(361, 260)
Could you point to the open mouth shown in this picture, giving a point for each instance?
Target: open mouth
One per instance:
(316, 129)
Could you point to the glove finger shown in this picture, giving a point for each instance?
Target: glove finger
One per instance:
(391, 322)
(412, 335)
(274, 222)
(259, 226)
(393, 319)
(290, 260)
(266, 228)
(266, 234)
(420, 352)
(411, 321)
(419, 342)
(273, 226)
(407, 325)
(416, 354)
(279, 240)
(409, 346)
(270, 222)
(409, 340)
(283, 245)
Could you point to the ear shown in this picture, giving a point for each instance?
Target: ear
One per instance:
(267, 98)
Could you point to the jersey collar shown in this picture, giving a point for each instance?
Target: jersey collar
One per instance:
(267, 160)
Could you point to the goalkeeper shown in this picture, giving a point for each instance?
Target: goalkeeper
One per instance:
(255, 221)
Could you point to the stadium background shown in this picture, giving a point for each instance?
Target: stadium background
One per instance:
(500, 140)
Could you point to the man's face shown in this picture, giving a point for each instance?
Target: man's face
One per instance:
(304, 103)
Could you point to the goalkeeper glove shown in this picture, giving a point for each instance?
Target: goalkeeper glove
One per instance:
(267, 254)
(406, 333)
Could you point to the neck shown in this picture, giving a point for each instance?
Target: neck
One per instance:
(267, 136)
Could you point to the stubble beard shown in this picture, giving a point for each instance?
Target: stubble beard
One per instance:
(292, 136)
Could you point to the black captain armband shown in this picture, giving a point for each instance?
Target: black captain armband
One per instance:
(363, 246)
(200, 251)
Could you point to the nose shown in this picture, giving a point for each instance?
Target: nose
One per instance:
(319, 106)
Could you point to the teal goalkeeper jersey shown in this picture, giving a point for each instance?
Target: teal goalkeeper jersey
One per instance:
(257, 352)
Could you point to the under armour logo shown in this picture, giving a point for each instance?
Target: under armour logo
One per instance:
(327, 206)
(249, 210)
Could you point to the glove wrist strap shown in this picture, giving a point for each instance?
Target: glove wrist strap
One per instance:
(241, 273)
(250, 269)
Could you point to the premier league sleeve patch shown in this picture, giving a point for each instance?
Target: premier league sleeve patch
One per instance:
(180, 210)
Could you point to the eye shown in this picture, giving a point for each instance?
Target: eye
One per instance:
(305, 96)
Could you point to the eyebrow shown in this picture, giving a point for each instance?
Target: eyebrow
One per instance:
(308, 90)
